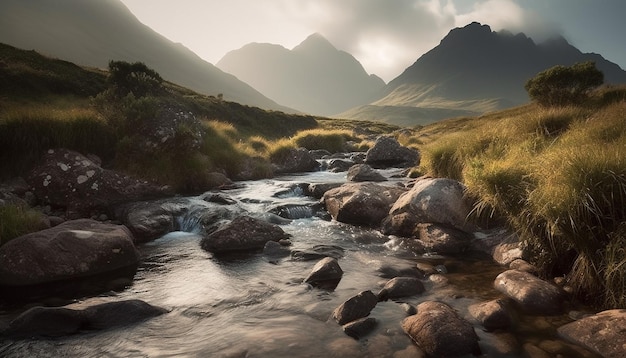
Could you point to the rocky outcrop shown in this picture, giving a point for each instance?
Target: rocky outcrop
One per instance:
(61, 321)
(363, 172)
(440, 331)
(71, 180)
(438, 201)
(531, 293)
(399, 287)
(603, 333)
(295, 161)
(325, 274)
(355, 307)
(74, 249)
(243, 233)
(387, 152)
(360, 203)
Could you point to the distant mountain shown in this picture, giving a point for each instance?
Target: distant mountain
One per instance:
(313, 77)
(91, 33)
(472, 71)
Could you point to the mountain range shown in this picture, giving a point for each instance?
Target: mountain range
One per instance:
(91, 33)
(473, 70)
(313, 77)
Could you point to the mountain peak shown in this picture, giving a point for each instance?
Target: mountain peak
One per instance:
(470, 32)
(315, 42)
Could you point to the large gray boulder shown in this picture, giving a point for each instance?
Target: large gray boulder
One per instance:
(61, 321)
(603, 333)
(77, 248)
(361, 203)
(440, 332)
(532, 294)
(295, 161)
(363, 172)
(241, 234)
(387, 152)
(71, 180)
(438, 201)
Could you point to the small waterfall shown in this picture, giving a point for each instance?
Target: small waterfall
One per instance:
(190, 221)
(294, 211)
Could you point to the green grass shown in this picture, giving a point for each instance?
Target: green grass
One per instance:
(556, 175)
(16, 220)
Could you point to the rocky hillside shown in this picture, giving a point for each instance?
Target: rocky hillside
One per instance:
(92, 33)
(313, 77)
(472, 71)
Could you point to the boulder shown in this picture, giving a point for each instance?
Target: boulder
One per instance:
(317, 190)
(440, 332)
(355, 307)
(360, 328)
(363, 172)
(325, 274)
(243, 233)
(532, 294)
(318, 252)
(442, 239)
(73, 249)
(295, 161)
(361, 203)
(61, 321)
(70, 180)
(399, 287)
(387, 152)
(491, 314)
(339, 165)
(603, 333)
(437, 201)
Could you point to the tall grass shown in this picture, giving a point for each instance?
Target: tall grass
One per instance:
(331, 140)
(557, 176)
(17, 220)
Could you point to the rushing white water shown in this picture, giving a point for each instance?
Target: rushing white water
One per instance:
(247, 305)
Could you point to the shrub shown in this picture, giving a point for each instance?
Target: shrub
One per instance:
(16, 220)
(135, 78)
(331, 140)
(561, 85)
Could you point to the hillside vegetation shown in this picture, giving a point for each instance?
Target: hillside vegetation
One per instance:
(557, 175)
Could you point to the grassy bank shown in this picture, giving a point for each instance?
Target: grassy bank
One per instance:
(556, 175)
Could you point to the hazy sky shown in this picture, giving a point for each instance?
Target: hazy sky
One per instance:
(386, 36)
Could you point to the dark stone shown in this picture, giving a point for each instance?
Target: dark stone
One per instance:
(360, 328)
(363, 172)
(399, 287)
(243, 233)
(440, 331)
(491, 314)
(296, 161)
(318, 252)
(325, 274)
(355, 307)
(77, 248)
(442, 239)
(603, 333)
(317, 190)
(339, 165)
(387, 152)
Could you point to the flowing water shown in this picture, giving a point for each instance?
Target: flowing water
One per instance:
(251, 305)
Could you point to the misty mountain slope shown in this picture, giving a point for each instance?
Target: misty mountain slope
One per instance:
(92, 33)
(477, 70)
(313, 77)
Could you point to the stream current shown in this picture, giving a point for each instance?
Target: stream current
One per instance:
(250, 305)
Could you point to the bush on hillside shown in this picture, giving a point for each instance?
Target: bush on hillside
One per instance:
(135, 78)
(561, 85)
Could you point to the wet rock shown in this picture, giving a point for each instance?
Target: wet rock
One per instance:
(531, 350)
(317, 190)
(275, 250)
(399, 287)
(522, 265)
(339, 165)
(391, 271)
(293, 191)
(60, 321)
(387, 152)
(319, 153)
(491, 314)
(440, 331)
(218, 198)
(318, 252)
(363, 172)
(298, 211)
(355, 307)
(243, 233)
(425, 269)
(215, 180)
(501, 244)
(532, 294)
(603, 333)
(442, 239)
(409, 309)
(360, 328)
(360, 203)
(68, 179)
(325, 274)
(74, 249)
(295, 161)
(148, 220)
(437, 201)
